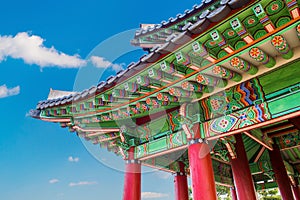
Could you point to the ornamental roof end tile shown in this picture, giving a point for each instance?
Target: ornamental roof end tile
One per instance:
(34, 113)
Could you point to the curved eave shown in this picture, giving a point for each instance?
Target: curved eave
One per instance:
(56, 120)
(143, 63)
(212, 16)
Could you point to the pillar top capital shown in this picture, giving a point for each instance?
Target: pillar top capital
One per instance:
(133, 161)
(198, 140)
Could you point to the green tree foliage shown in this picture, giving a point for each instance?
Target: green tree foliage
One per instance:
(224, 192)
(190, 194)
(221, 191)
(271, 194)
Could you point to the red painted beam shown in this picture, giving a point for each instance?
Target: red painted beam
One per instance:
(241, 172)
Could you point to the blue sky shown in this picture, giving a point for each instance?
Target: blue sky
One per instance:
(39, 160)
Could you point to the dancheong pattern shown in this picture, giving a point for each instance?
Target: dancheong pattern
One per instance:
(289, 140)
(238, 97)
(239, 119)
(170, 123)
(171, 141)
(176, 140)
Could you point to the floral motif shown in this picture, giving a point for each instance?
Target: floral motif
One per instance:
(235, 62)
(231, 33)
(189, 86)
(155, 103)
(251, 21)
(178, 93)
(185, 85)
(166, 98)
(145, 107)
(277, 40)
(215, 104)
(298, 29)
(148, 101)
(212, 43)
(135, 110)
(216, 70)
(202, 79)
(172, 91)
(159, 96)
(223, 123)
(275, 6)
(255, 52)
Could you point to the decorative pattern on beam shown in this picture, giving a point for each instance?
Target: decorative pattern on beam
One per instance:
(279, 9)
(245, 66)
(263, 17)
(293, 8)
(234, 121)
(281, 45)
(262, 57)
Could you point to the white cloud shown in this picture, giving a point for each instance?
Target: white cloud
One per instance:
(152, 195)
(53, 181)
(6, 92)
(73, 159)
(31, 49)
(82, 183)
(101, 62)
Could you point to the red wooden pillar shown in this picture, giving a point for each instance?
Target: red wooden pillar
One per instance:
(201, 169)
(132, 185)
(241, 172)
(233, 193)
(296, 192)
(181, 184)
(281, 176)
(296, 189)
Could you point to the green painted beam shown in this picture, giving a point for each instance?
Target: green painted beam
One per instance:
(284, 104)
(286, 76)
(267, 185)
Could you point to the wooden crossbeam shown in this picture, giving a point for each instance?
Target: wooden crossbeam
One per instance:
(282, 132)
(277, 127)
(260, 153)
(252, 136)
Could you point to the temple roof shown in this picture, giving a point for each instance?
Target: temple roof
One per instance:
(208, 12)
(172, 43)
(56, 94)
(247, 74)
